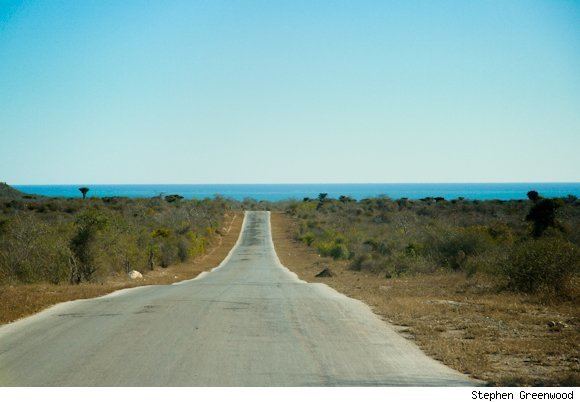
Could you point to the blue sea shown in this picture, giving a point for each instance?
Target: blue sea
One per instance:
(276, 192)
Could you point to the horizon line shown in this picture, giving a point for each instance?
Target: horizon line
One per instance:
(294, 183)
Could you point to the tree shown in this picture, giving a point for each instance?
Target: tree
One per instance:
(173, 197)
(321, 199)
(84, 191)
(533, 195)
(542, 214)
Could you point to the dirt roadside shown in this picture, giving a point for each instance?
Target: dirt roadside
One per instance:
(503, 338)
(17, 301)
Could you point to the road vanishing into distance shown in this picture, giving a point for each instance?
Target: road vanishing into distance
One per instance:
(249, 322)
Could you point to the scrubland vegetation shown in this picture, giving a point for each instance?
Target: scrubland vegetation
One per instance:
(490, 288)
(59, 240)
(528, 246)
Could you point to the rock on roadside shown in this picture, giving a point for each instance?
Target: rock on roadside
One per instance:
(325, 273)
(135, 275)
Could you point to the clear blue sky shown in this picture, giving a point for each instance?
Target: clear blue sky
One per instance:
(289, 91)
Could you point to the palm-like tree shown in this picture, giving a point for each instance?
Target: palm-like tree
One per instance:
(84, 191)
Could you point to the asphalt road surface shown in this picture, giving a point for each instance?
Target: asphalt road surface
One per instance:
(250, 322)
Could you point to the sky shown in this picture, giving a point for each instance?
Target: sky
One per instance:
(254, 91)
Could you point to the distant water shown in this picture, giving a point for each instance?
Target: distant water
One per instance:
(276, 192)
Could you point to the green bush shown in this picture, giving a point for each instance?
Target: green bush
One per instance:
(542, 265)
(333, 249)
(83, 244)
(339, 251)
(307, 238)
(168, 254)
(453, 247)
(197, 244)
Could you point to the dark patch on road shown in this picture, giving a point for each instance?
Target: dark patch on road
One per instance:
(85, 315)
(147, 309)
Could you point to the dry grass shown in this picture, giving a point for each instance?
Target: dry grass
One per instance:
(17, 301)
(503, 338)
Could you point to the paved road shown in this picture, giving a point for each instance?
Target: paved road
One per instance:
(250, 322)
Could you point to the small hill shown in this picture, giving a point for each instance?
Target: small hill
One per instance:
(9, 192)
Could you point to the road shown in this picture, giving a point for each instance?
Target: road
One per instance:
(249, 322)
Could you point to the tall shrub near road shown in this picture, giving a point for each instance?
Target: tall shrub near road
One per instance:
(83, 264)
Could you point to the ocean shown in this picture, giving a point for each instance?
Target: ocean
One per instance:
(277, 192)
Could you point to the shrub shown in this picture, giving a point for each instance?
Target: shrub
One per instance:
(33, 251)
(454, 246)
(411, 250)
(369, 262)
(88, 224)
(160, 233)
(378, 246)
(307, 238)
(542, 265)
(119, 251)
(182, 250)
(333, 249)
(197, 244)
(403, 263)
(487, 262)
(361, 262)
(500, 232)
(339, 251)
(168, 254)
